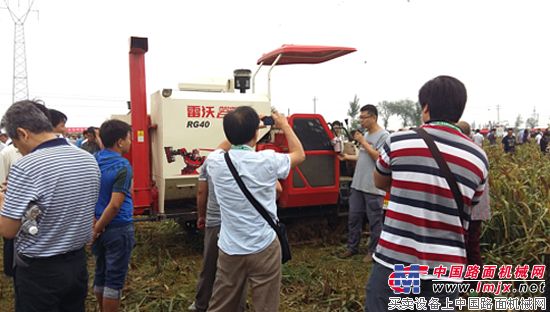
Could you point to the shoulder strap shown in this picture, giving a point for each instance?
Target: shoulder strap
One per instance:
(261, 210)
(451, 180)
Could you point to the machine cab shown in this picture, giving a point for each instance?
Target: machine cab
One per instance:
(315, 182)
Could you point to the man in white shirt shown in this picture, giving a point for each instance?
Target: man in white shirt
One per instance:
(478, 138)
(249, 250)
(3, 140)
(8, 156)
(538, 137)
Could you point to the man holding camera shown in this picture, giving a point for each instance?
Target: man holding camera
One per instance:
(249, 250)
(365, 199)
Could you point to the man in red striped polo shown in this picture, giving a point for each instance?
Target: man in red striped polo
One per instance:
(422, 223)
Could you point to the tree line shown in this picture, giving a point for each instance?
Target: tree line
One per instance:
(408, 111)
(410, 114)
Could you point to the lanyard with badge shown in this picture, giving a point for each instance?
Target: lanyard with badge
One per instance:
(242, 147)
(445, 124)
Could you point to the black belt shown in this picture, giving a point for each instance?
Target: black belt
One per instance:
(63, 256)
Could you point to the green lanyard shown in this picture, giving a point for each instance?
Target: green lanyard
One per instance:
(242, 147)
(445, 124)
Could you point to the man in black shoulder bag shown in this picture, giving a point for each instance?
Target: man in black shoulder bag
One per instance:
(435, 175)
(249, 250)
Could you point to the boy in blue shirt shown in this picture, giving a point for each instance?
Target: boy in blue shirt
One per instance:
(114, 228)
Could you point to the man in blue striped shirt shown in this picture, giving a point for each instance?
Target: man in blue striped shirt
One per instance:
(63, 181)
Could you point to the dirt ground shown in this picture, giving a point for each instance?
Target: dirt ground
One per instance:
(167, 260)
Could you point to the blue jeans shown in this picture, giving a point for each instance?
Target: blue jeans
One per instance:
(112, 251)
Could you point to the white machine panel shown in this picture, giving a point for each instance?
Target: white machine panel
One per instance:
(190, 120)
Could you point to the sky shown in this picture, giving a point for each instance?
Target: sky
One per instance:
(77, 52)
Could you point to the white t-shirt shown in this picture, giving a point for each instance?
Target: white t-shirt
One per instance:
(538, 138)
(478, 139)
(243, 230)
(8, 156)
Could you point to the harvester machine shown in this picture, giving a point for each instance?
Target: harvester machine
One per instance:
(170, 144)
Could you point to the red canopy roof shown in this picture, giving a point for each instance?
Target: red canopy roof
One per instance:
(303, 54)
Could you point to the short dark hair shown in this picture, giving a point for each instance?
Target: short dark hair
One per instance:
(90, 130)
(445, 96)
(28, 115)
(113, 130)
(240, 125)
(371, 109)
(57, 117)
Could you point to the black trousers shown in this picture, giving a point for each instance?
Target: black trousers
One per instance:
(53, 284)
(8, 257)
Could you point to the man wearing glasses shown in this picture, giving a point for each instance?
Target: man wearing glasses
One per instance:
(365, 199)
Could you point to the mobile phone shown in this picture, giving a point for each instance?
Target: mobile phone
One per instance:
(268, 121)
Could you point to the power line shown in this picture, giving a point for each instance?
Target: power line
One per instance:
(82, 97)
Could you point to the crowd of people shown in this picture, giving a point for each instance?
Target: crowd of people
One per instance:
(421, 224)
(435, 177)
(91, 203)
(512, 139)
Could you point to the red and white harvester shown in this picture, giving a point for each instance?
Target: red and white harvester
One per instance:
(170, 144)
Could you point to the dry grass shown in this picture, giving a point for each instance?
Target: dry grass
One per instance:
(166, 262)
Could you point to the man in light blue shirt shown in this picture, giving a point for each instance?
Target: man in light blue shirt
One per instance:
(249, 250)
(210, 220)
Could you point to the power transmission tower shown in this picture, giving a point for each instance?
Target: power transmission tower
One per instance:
(20, 89)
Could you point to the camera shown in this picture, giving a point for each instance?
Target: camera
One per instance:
(29, 222)
(268, 121)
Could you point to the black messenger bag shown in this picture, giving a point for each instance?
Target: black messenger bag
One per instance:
(279, 228)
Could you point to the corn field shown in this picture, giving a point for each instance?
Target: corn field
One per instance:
(519, 231)
(167, 260)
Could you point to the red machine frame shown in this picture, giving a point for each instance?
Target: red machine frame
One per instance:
(140, 154)
(309, 195)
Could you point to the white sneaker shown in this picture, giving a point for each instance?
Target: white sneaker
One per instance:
(192, 307)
